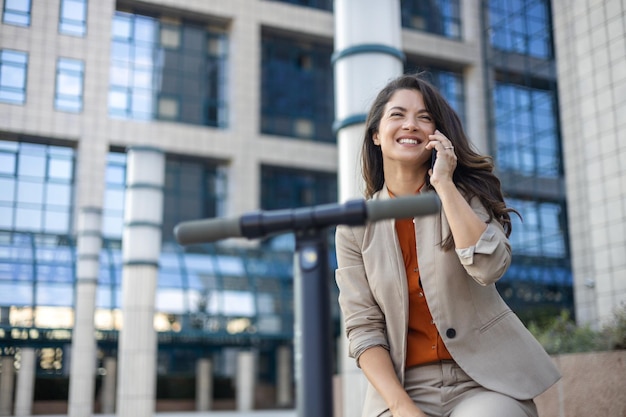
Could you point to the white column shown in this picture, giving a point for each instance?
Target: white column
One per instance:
(109, 382)
(246, 381)
(141, 247)
(6, 385)
(367, 36)
(284, 377)
(83, 357)
(25, 382)
(204, 385)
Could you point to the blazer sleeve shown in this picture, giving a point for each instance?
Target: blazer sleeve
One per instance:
(487, 261)
(364, 321)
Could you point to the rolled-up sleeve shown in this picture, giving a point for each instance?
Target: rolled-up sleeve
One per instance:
(487, 260)
(364, 321)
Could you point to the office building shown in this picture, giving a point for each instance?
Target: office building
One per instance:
(121, 119)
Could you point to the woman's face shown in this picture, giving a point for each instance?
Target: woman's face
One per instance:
(404, 129)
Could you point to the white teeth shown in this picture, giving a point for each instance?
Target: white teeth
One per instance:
(407, 140)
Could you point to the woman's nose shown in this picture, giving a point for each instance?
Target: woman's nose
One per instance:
(409, 124)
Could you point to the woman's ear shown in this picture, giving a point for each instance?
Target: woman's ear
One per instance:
(375, 139)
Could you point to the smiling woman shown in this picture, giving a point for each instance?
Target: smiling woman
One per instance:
(403, 135)
(449, 335)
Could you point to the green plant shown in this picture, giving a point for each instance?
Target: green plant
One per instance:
(562, 335)
(614, 332)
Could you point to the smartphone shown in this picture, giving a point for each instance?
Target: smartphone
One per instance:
(433, 158)
(433, 155)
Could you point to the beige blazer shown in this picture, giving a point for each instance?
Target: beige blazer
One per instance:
(483, 335)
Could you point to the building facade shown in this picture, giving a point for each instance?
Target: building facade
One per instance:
(120, 119)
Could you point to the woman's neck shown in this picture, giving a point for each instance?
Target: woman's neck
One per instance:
(403, 182)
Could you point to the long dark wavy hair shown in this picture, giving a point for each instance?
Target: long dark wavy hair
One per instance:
(474, 172)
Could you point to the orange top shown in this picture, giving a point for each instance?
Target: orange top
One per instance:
(424, 344)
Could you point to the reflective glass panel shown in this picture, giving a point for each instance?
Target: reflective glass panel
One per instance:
(36, 195)
(283, 188)
(526, 134)
(316, 4)
(165, 71)
(69, 85)
(73, 17)
(542, 232)
(297, 88)
(13, 76)
(54, 295)
(441, 17)
(521, 26)
(16, 12)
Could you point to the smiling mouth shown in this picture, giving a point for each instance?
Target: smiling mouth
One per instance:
(408, 141)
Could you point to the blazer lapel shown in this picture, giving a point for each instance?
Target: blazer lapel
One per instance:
(386, 241)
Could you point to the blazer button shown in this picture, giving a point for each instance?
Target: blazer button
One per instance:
(451, 333)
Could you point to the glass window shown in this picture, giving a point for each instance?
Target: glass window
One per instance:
(54, 295)
(167, 71)
(16, 293)
(16, 12)
(441, 17)
(193, 190)
(73, 17)
(36, 187)
(13, 66)
(526, 133)
(284, 188)
(7, 163)
(297, 89)
(521, 26)
(542, 231)
(449, 82)
(36, 269)
(69, 85)
(114, 195)
(316, 4)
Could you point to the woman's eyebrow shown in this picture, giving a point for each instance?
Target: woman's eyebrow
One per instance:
(400, 108)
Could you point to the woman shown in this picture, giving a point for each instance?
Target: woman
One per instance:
(424, 320)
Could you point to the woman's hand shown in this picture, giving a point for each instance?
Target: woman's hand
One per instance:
(378, 368)
(445, 163)
(407, 410)
(465, 225)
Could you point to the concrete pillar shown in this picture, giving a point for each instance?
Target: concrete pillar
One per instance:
(474, 82)
(25, 382)
(141, 247)
(367, 35)
(109, 382)
(284, 377)
(204, 385)
(83, 357)
(7, 382)
(246, 380)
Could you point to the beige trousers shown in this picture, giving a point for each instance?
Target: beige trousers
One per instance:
(444, 390)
